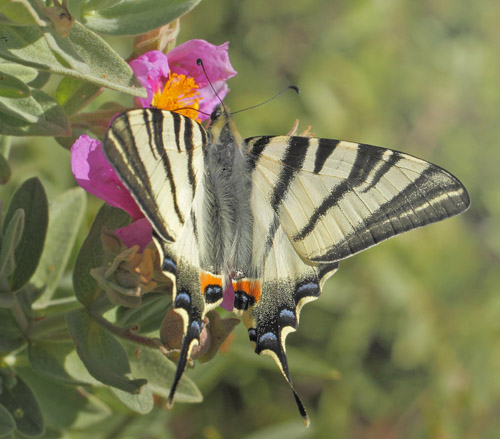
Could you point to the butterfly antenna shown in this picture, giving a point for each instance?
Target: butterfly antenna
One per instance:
(199, 61)
(277, 95)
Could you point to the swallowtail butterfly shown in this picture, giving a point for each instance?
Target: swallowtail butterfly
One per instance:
(271, 216)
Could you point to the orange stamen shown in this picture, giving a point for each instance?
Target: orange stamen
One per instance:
(180, 95)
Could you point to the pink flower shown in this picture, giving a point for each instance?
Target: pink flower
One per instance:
(155, 70)
(94, 174)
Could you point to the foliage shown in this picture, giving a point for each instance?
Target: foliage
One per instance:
(403, 341)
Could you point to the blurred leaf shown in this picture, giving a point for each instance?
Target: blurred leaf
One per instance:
(66, 214)
(102, 354)
(12, 87)
(12, 235)
(290, 430)
(82, 55)
(59, 361)
(142, 403)
(159, 372)
(36, 115)
(4, 170)
(62, 405)
(7, 422)
(74, 94)
(128, 17)
(91, 253)
(23, 406)
(12, 337)
(299, 362)
(32, 199)
(47, 358)
(20, 12)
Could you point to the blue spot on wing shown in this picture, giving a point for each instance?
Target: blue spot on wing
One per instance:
(182, 300)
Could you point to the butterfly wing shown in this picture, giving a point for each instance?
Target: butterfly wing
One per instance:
(320, 201)
(158, 155)
(337, 198)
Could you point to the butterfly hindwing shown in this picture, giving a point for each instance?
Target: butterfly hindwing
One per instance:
(337, 198)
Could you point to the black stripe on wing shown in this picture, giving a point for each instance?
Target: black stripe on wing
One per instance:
(422, 202)
(119, 143)
(157, 140)
(324, 150)
(292, 161)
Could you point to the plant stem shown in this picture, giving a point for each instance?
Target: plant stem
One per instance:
(19, 316)
(126, 333)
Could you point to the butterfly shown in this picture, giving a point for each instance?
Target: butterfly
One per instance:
(269, 216)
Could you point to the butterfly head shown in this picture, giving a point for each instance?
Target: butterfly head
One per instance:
(223, 128)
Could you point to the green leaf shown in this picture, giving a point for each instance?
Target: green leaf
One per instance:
(48, 358)
(289, 429)
(159, 372)
(66, 215)
(129, 17)
(103, 356)
(21, 12)
(62, 405)
(4, 170)
(23, 73)
(59, 361)
(32, 199)
(74, 94)
(11, 87)
(12, 337)
(91, 254)
(35, 115)
(142, 403)
(7, 422)
(82, 55)
(23, 406)
(12, 235)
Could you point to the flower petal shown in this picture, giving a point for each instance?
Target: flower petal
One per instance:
(182, 60)
(93, 173)
(151, 70)
(138, 233)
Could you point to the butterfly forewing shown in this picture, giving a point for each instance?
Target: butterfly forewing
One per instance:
(158, 156)
(336, 198)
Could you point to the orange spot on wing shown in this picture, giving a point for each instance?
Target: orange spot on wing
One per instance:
(207, 278)
(252, 287)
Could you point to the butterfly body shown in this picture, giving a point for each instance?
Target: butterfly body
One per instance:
(267, 217)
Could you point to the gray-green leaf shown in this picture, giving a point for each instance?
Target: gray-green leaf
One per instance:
(82, 54)
(23, 406)
(103, 356)
(32, 199)
(35, 115)
(66, 214)
(129, 17)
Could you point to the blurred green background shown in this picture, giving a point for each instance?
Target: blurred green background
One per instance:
(404, 342)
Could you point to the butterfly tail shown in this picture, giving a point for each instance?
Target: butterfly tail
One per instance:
(275, 349)
(191, 339)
